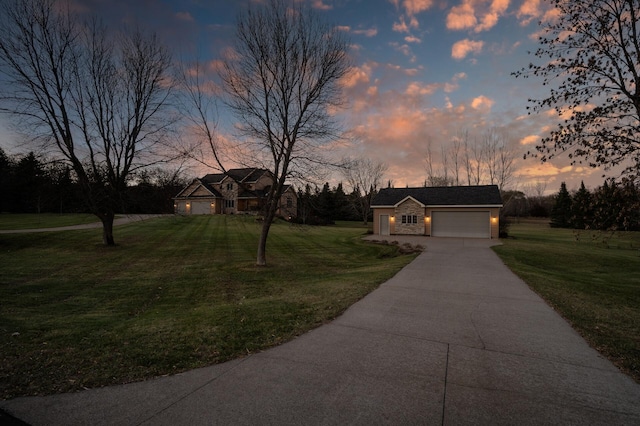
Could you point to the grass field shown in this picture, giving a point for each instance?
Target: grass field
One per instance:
(174, 294)
(591, 278)
(43, 220)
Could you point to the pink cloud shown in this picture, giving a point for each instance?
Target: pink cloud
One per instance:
(461, 17)
(530, 140)
(482, 103)
(403, 26)
(412, 39)
(475, 15)
(357, 75)
(371, 32)
(416, 6)
(529, 10)
(462, 48)
(319, 4)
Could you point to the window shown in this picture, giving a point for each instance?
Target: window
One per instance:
(229, 203)
(289, 202)
(409, 219)
(229, 186)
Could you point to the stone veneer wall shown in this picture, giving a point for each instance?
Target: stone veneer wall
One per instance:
(411, 208)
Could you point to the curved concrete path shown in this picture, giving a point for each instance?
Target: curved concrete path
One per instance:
(119, 220)
(454, 338)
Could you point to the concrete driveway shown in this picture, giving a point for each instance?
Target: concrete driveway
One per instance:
(454, 338)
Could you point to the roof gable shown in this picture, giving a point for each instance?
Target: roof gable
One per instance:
(198, 188)
(483, 195)
(408, 198)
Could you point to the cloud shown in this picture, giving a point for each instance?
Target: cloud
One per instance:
(462, 48)
(404, 49)
(453, 85)
(540, 170)
(490, 19)
(416, 88)
(357, 75)
(461, 17)
(482, 103)
(411, 8)
(416, 6)
(370, 32)
(412, 39)
(403, 26)
(529, 140)
(318, 4)
(529, 10)
(475, 15)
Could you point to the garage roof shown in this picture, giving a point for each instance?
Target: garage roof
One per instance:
(483, 195)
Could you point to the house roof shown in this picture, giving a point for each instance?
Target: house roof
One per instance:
(188, 191)
(243, 176)
(246, 175)
(483, 195)
(213, 178)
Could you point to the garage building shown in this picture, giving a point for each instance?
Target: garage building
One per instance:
(447, 211)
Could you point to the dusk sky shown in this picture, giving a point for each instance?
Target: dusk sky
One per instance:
(424, 70)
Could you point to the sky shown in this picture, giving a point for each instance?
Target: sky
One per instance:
(424, 72)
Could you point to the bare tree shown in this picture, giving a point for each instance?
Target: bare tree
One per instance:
(454, 155)
(282, 83)
(445, 164)
(429, 167)
(98, 101)
(364, 176)
(506, 166)
(491, 141)
(590, 60)
(436, 176)
(474, 161)
(466, 156)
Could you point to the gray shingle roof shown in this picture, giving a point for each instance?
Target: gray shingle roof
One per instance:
(441, 196)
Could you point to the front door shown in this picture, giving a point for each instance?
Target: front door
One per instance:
(384, 224)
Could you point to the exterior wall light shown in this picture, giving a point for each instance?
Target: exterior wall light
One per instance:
(494, 219)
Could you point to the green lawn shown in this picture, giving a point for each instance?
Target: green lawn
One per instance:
(590, 278)
(175, 293)
(43, 220)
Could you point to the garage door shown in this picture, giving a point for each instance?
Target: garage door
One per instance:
(461, 224)
(200, 207)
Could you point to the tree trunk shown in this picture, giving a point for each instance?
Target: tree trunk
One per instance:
(107, 229)
(262, 243)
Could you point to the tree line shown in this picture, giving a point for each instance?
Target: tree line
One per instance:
(323, 206)
(611, 207)
(32, 184)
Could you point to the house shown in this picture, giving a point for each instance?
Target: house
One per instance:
(448, 211)
(238, 191)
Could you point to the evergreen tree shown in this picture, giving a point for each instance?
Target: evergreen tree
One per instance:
(6, 178)
(582, 209)
(604, 206)
(628, 200)
(561, 211)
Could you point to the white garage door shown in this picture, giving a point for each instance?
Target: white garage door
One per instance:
(461, 224)
(200, 207)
